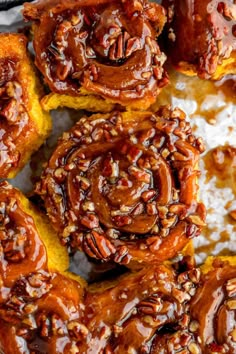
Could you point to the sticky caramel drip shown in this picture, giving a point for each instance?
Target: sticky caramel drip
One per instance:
(124, 186)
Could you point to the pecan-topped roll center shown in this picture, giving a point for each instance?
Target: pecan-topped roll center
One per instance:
(106, 47)
(123, 185)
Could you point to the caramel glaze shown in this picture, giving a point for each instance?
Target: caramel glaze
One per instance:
(20, 245)
(107, 47)
(221, 162)
(213, 310)
(202, 33)
(142, 304)
(41, 315)
(47, 313)
(122, 186)
(14, 120)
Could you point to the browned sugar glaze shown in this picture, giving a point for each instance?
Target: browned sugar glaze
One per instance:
(34, 304)
(156, 310)
(14, 120)
(107, 47)
(123, 186)
(212, 310)
(48, 313)
(42, 315)
(221, 162)
(201, 33)
(21, 249)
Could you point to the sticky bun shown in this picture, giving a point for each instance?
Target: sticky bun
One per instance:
(202, 36)
(27, 242)
(123, 186)
(140, 309)
(49, 313)
(99, 50)
(23, 124)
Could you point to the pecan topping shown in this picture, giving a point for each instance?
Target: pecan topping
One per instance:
(231, 287)
(88, 44)
(14, 119)
(20, 245)
(213, 24)
(150, 306)
(125, 186)
(98, 246)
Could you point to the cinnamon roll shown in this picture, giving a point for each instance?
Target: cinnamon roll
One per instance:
(50, 313)
(123, 186)
(27, 242)
(23, 124)
(97, 53)
(202, 36)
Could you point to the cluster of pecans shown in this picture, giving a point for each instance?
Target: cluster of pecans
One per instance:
(84, 46)
(14, 117)
(33, 308)
(162, 303)
(114, 185)
(13, 238)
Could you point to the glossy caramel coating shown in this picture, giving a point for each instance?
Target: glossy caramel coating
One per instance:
(202, 36)
(42, 315)
(105, 48)
(212, 309)
(143, 305)
(23, 124)
(26, 239)
(123, 186)
(221, 162)
(48, 313)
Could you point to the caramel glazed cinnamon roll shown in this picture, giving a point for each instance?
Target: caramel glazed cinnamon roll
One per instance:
(202, 36)
(46, 312)
(106, 48)
(123, 186)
